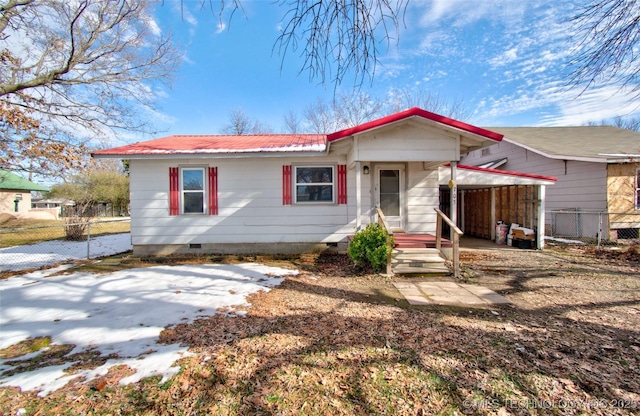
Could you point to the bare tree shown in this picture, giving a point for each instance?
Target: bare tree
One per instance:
(346, 110)
(620, 122)
(291, 122)
(343, 36)
(335, 38)
(608, 35)
(74, 70)
(321, 117)
(357, 108)
(240, 123)
(402, 99)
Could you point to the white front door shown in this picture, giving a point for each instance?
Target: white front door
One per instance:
(390, 193)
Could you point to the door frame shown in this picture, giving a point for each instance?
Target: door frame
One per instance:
(394, 222)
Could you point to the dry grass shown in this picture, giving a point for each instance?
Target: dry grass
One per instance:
(326, 344)
(16, 232)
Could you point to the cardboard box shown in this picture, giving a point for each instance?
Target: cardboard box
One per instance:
(520, 234)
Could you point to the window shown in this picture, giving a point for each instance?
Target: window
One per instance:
(314, 184)
(192, 191)
(486, 151)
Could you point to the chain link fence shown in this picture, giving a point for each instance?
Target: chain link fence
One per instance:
(593, 227)
(33, 247)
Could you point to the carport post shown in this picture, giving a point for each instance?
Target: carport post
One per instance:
(541, 218)
(358, 196)
(494, 220)
(453, 185)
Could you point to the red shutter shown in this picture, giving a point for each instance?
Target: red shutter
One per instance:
(342, 184)
(213, 191)
(286, 185)
(174, 191)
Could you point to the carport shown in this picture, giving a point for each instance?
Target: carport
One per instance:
(485, 196)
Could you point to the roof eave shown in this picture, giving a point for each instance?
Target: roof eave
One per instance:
(557, 157)
(213, 155)
(416, 112)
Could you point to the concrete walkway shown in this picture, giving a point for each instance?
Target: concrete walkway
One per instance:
(448, 293)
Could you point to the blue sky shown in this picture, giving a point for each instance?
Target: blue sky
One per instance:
(505, 60)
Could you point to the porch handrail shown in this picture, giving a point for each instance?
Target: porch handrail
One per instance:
(455, 237)
(382, 222)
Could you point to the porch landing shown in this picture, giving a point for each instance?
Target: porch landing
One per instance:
(404, 240)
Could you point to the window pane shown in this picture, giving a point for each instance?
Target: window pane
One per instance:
(314, 175)
(314, 193)
(390, 192)
(390, 205)
(193, 202)
(193, 179)
(390, 181)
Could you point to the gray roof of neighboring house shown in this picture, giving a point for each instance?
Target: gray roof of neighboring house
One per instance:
(590, 143)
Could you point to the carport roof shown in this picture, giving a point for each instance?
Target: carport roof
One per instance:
(474, 176)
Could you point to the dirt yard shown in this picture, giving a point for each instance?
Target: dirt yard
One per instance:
(336, 340)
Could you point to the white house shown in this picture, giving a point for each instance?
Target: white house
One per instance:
(284, 193)
(597, 169)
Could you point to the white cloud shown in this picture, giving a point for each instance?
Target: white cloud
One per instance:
(179, 7)
(595, 104)
(460, 13)
(505, 58)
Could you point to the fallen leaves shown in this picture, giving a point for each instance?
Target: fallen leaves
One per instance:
(324, 343)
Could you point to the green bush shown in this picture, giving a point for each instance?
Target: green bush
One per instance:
(369, 246)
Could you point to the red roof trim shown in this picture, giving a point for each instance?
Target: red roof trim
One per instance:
(506, 172)
(415, 112)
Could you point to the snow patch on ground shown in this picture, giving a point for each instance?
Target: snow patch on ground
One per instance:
(33, 256)
(120, 313)
(564, 240)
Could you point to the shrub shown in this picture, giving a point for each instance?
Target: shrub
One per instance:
(75, 227)
(370, 246)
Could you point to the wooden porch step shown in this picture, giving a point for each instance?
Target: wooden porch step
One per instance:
(418, 261)
(429, 255)
(434, 270)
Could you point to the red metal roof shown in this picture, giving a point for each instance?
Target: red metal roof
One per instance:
(415, 112)
(263, 143)
(210, 144)
(505, 172)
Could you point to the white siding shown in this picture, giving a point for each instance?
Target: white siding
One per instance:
(422, 197)
(407, 143)
(250, 206)
(580, 184)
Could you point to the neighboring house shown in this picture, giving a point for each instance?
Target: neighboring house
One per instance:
(597, 167)
(15, 193)
(284, 193)
(52, 204)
